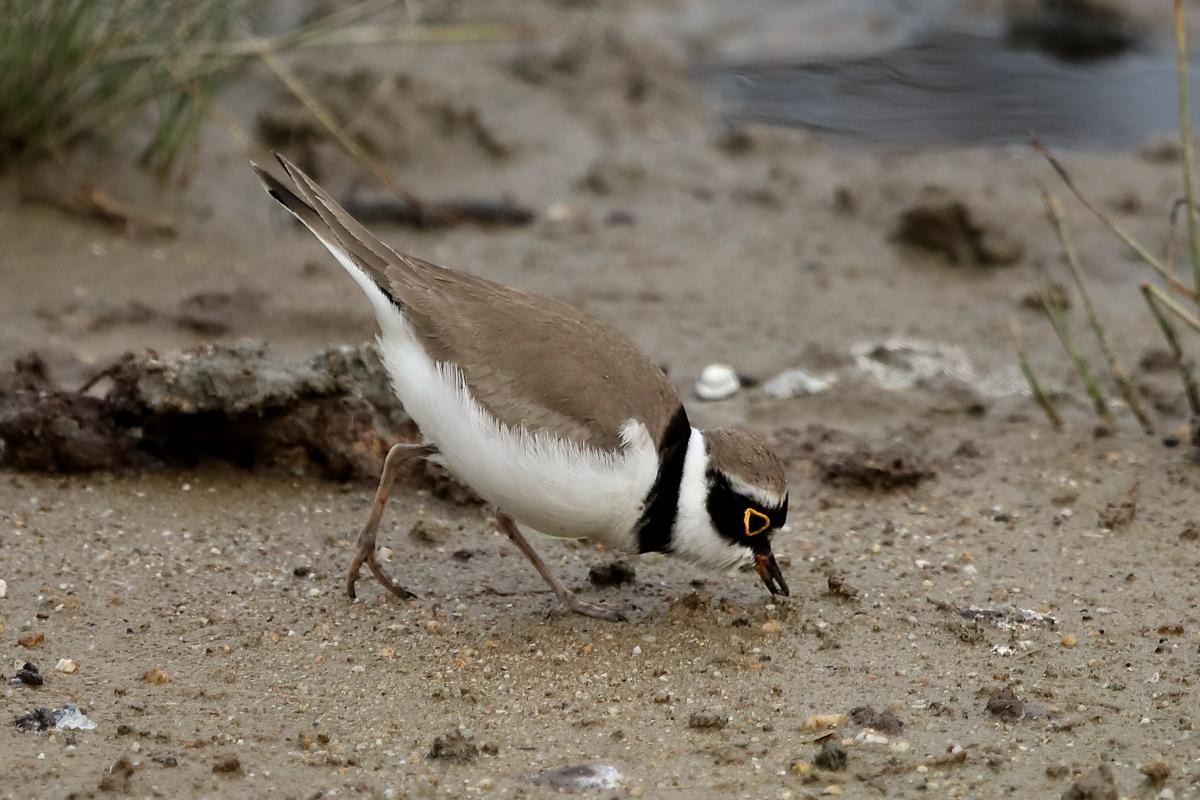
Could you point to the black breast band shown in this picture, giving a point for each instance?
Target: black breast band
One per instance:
(662, 503)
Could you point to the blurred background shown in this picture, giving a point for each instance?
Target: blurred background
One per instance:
(723, 181)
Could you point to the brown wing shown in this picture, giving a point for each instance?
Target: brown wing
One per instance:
(532, 361)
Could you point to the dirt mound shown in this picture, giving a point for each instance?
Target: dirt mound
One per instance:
(334, 415)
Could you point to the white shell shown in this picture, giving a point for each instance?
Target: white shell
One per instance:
(794, 383)
(717, 382)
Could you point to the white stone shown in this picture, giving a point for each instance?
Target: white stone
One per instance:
(717, 382)
(795, 383)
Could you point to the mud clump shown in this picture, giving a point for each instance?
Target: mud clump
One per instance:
(882, 721)
(43, 428)
(708, 720)
(36, 721)
(214, 313)
(1095, 785)
(27, 675)
(845, 460)
(1074, 30)
(453, 747)
(616, 573)
(116, 779)
(832, 756)
(334, 415)
(226, 764)
(947, 226)
(1006, 705)
(430, 532)
(893, 466)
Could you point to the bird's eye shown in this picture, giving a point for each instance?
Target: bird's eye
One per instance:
(755, 521)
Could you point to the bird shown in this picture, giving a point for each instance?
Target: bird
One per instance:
(549, 414)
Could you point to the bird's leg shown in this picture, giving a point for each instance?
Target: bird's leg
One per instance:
(567, 600)
(366, 540)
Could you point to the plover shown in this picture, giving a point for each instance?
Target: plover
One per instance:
(550, 415)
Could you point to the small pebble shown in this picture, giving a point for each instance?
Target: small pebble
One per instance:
(1070, 640)
(561, 212)
(717, 382)
(707, 720)
(3, 588)
(771, 627)
(429, 531)
(1157, 771)
(31, 640)
(615, 573)
(156, 676)
(818, 722)
(67, 665)
(226, 764)
(27, 675)
(869, 737)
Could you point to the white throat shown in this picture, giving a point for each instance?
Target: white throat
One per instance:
(694, 537)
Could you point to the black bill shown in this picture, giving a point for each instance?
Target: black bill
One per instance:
(772, 577)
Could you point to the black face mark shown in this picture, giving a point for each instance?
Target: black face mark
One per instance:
(740, 519)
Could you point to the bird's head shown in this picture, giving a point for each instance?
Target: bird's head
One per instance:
(733, 497)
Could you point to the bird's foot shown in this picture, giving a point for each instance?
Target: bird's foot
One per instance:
(368, 555)
(570, 604)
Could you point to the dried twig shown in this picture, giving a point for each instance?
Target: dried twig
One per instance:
(1189, 319)
(1154, 297)
(1169, 255)
(1027, 370)
(1126, 387)
(256, 46)
(1185, 141)
(1058, 320)
(1137, 247)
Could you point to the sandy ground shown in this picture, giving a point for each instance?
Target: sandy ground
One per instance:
(774, 254)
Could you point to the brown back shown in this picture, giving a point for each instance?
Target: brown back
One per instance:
(533, 362)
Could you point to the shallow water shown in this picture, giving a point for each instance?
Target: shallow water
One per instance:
(952, 89)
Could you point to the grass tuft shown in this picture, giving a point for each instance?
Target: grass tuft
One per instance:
(1035, 387)
(65, 75)
(1125, 385)
(76, 69)
(1185, 142)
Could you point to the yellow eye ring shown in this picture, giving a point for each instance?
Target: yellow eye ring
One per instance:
(757, 516)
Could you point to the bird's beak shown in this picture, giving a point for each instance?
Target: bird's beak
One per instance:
(772, 577)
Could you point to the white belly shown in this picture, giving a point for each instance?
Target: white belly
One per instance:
(552, 486)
